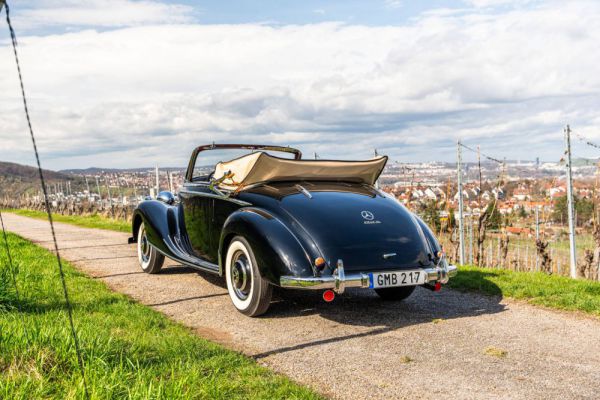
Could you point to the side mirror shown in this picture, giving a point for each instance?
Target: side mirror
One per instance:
(166, 197)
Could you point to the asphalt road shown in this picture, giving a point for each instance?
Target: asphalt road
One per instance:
(431, 346)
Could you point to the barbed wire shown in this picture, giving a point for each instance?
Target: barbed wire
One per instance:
(482, 154)
(47, 204)
(585, 140)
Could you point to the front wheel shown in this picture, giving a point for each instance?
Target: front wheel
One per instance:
(249, 292)
(150, 259)
(395, 293)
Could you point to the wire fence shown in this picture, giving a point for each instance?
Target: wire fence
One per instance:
(521, 255)
(74, 207)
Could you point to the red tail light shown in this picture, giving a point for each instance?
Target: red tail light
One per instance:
(437, 287)
(328, 296)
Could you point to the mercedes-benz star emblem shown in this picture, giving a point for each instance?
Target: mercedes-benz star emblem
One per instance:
(368, 215)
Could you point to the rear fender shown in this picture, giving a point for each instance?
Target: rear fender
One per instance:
(433, 243)
(277, 250)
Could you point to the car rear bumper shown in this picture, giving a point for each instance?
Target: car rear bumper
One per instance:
(338, 281)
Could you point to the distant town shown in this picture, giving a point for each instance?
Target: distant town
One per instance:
(517, 187)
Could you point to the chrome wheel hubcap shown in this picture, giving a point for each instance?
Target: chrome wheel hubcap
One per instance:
(145, 247)
(240, 275)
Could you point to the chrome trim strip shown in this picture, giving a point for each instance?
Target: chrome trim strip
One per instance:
(201, 264)
(216, 196)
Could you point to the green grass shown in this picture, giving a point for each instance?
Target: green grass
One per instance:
(92, 221)
(129, 350)
(535, 287)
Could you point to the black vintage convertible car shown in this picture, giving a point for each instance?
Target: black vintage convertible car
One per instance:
(262, 221)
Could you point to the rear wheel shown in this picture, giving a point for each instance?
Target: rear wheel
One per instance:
(150, 260)
(249, 292)
(395, 293)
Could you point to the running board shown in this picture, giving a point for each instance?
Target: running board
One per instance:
(196, 264)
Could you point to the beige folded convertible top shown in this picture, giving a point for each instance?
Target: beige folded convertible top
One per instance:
(262, 167)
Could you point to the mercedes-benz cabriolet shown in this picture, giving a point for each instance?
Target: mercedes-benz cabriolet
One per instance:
(261, 221)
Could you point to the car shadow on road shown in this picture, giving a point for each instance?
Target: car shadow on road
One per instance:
(364, 307)
(359, 307)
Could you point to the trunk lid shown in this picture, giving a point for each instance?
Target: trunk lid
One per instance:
(356, 224)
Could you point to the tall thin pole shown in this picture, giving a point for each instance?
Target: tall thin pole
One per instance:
(461, 233)
(480, 181)
(573, 259)
(537, 234)
(98, 187)
(87, 185)
(112, 210)
(471, 237)
(537, 223)
(157, 185)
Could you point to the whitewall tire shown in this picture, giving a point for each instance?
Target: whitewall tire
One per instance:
(150, 259)
(249, 292)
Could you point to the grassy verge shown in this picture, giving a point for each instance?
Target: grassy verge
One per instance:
(92, 221)
(537, 288)
(129, 350)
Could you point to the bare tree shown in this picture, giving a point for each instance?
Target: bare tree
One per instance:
(584, 269)
(595, 268)
(455, 244)
(504, 240)
(543, 256)
(482, 227)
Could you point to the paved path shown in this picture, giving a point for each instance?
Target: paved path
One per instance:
(430, 346)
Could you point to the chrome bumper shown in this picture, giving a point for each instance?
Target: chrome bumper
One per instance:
(338, 281)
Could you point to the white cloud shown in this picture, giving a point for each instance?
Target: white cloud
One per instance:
(496, 3)
(393, 3)
(101, 13)
(147, 94)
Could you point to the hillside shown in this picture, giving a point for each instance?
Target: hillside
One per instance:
(99, 170)
(17, 179)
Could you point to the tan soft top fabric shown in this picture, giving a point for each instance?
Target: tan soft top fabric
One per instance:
(262, 167)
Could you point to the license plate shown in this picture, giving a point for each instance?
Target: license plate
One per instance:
(396, 278)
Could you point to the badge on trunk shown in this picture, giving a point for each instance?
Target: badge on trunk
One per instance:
(369, 217)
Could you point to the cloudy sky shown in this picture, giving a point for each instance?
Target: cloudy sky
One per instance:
(123, 83)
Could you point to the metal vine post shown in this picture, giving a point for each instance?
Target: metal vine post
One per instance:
(570, 205)
(461, 233)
